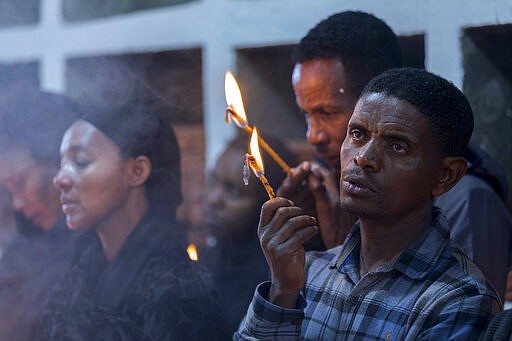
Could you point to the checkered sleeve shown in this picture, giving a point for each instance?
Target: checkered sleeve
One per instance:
(267, 321)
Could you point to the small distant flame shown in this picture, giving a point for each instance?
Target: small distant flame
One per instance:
(192, 253)
(234, 100)
(254, 150)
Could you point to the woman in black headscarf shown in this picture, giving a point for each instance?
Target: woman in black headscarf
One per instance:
(120, 176)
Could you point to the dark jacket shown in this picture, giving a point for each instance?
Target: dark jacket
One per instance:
(149, 291)
(31, 265)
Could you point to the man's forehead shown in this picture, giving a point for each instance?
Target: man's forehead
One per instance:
(321, 69)
(384, 105)
(386, 110)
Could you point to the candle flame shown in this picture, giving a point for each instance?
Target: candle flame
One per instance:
(192, 253)
(234, 100)
(254, 150)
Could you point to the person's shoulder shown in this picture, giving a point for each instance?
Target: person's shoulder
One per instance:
(482, 165)
(449, 268)
(455, 287)
(471, 194)
(471, 184)
(462, 274)
(484, 180)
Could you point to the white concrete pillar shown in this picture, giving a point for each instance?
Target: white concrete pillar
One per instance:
(52, 65)
(443, 54)
(217, 59)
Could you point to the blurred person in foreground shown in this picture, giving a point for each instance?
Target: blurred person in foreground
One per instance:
(231, 214)
(398, 276)
(120, 177)
(32, 123)
(333, 63)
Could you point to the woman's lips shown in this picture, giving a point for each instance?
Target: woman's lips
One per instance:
(67, 208)
(68, 205)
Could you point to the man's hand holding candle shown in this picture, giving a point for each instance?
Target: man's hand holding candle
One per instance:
(282, 230)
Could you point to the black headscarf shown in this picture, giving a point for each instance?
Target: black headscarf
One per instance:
(138, 131)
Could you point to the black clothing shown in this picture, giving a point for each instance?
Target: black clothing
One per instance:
(500, 327)
(238, 267)
(149, 291)
(483, 166)
(31, 265)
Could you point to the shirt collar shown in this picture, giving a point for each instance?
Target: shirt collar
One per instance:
(416, 261)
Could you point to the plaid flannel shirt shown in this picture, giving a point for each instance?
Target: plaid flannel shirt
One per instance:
(431, 292)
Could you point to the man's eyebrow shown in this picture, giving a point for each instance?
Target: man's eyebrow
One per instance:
(356, 123)
(392, 133)
(328, 107)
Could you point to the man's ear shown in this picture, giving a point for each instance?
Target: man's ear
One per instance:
(453, 170)
(138, 171)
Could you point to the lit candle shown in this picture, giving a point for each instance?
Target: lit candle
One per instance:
(253, 158)
(192, 252)
(236, 112)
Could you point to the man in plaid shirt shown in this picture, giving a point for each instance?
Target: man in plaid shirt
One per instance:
(398, 276)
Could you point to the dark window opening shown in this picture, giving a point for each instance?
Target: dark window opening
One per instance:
(488, 87)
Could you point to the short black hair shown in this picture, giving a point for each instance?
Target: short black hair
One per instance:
(445, 106)
(365, 45)
(36, 120)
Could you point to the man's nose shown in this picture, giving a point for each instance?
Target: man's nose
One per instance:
(368, 157)
(316, 133)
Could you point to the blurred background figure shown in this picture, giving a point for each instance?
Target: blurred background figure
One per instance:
(35, 258)
(120, 178)
(231, 213)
